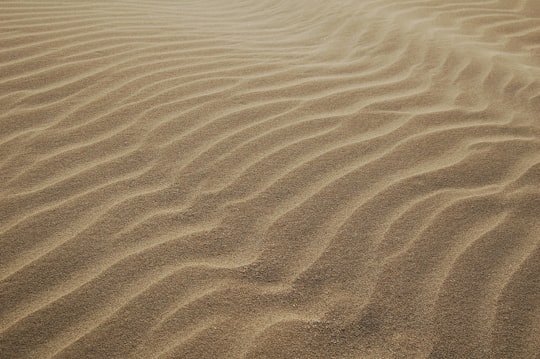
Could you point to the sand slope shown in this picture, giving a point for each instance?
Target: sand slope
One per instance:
(270, 179)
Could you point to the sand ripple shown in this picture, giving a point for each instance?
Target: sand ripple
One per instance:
(270, 179)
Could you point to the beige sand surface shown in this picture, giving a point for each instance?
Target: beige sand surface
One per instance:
(270, 179)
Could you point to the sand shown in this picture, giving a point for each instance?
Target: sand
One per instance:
(270, 179)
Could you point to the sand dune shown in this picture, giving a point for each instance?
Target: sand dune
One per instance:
(270, 179)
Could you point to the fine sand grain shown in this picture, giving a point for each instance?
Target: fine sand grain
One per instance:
(270, 179)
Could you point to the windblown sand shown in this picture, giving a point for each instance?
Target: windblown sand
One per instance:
(270, 179)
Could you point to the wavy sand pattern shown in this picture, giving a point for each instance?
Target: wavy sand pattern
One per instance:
(270, 179)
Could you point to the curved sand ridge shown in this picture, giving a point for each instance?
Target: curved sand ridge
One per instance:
(271, 179)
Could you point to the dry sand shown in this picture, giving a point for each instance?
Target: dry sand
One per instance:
(270, 179)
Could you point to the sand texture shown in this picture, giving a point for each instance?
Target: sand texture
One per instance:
(270, 179)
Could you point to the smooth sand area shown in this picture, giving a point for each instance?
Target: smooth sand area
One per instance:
(270, 179)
